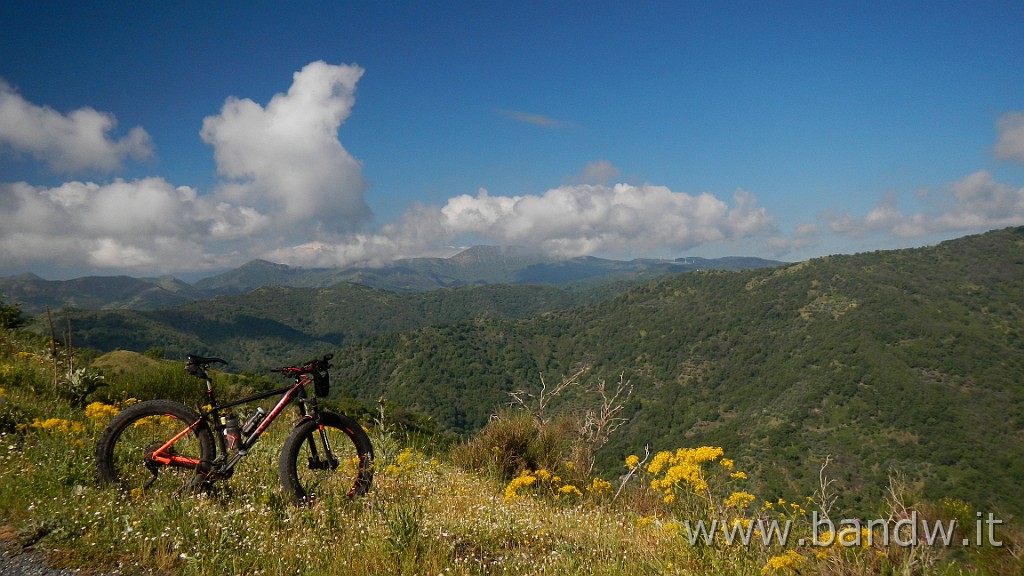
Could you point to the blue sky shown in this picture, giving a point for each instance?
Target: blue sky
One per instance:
(182, 137)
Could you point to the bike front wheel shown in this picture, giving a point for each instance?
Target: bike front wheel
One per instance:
(136, 450)
(326, 458)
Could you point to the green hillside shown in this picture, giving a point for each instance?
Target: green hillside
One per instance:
(257, 330)
(33, 294)
(910, 360)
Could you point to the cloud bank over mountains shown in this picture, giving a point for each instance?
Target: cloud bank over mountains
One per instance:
(289, 191)
(78, 141)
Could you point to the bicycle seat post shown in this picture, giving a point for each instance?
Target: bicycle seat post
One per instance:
(198, 366)
(209, 392)
(199, 371)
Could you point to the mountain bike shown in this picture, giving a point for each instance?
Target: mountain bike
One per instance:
(163, 445)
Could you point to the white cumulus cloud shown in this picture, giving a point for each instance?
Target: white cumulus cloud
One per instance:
(285, 160)
(619, 219)
(146, 224)
(73, 142)
(1010, 143)
(421, 231)
(286, 179)
(973, 203)
(600, 172)
(572, 220)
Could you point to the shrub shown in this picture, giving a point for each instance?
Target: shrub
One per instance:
(514, 441)
(78, 384)
(10, 316)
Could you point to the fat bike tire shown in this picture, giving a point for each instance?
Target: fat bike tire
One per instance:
(139, 429)
(308, 475)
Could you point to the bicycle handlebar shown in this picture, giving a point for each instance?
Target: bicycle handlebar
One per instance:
(317, 368)
(312, 367)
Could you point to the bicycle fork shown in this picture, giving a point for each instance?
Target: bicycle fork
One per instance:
(315, 462)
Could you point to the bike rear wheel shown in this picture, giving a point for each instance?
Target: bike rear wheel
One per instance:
(311, 471)
(124, 452)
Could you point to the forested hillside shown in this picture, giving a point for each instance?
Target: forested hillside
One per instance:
(276, 324)
(908, 360)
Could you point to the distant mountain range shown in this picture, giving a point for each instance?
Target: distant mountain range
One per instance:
(480, 265)
(34, 294)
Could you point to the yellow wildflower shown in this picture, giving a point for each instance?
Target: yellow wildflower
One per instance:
(658, 462)
(727, 463)
(851, 536)
(960, 510)
(152, 421)
(707, 454)
(570, 489)
(791, 560)
(742, 522)
(59, 425)
(100, 412)
(739, 500)
(405, 457)
(599, 486)
(738, 475)
(632, 461)
(524, 480)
